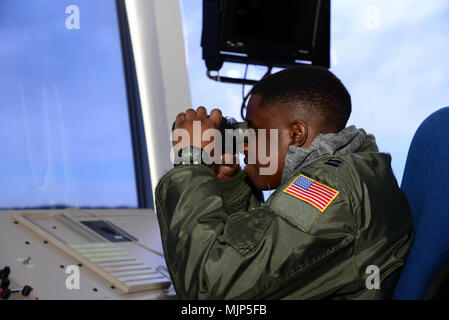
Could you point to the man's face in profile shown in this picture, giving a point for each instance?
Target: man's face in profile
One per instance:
(261, 118)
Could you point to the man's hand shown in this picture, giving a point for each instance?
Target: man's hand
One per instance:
(227, 171)
(194, 124)
(186, 121)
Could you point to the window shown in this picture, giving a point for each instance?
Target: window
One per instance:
(65, 133)
(391, 56)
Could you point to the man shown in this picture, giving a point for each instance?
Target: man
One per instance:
(337, 226)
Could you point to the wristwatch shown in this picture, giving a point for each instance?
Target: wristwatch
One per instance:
(191, 155)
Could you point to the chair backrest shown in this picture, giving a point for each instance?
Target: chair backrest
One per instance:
(426, 184)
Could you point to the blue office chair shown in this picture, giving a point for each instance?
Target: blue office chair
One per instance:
(426, 184)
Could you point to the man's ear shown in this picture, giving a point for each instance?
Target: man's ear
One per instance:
(299, 133)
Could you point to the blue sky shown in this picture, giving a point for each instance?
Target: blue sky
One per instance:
(391, 55)
(64, 126)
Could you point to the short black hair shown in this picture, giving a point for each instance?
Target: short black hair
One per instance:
(309, 88)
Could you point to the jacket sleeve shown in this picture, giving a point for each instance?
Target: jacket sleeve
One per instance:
(253, 254)
(239, 194)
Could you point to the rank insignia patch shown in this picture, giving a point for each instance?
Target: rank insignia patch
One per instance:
(333, 163)
(308, 190)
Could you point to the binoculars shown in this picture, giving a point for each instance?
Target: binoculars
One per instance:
(230, 142)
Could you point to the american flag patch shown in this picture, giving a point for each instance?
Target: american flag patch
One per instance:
(317, 194)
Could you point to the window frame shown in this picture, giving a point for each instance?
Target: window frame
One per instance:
(140, 153)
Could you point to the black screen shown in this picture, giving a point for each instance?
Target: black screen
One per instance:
(290, 22)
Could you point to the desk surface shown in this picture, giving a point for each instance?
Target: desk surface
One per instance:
(45, 269)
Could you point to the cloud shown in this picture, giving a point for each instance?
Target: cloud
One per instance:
(233, 73)
(397, 75)
(234, 103)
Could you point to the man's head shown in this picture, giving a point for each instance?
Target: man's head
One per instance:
(300, 103)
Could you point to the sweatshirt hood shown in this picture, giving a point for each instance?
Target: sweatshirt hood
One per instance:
(348, 140)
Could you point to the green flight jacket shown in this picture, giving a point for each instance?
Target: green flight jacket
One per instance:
(221, 243)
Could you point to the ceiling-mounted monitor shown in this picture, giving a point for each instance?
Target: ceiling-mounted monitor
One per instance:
(279, 33)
